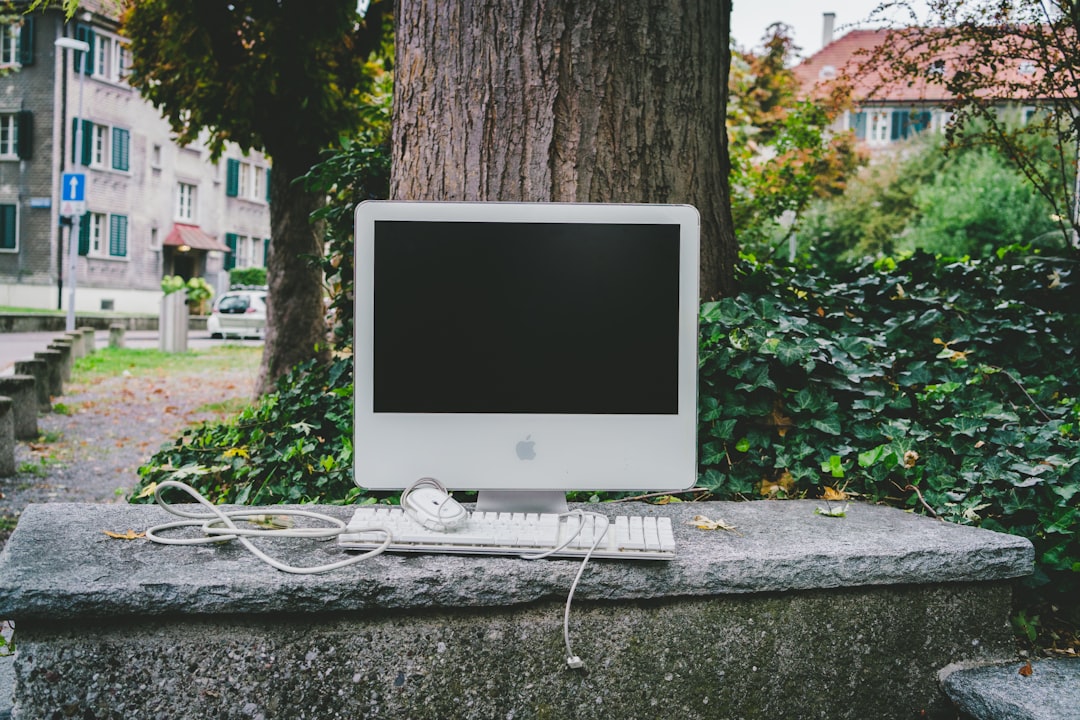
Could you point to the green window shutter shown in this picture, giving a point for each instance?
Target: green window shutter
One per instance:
(26, 41)
(266, 252)
(267, 187)
(118, 231)
(8, 227)
(901, 124)
(121, 142)
(232, 177)
(859, 125)
(84, 234)
(85, 61)
(920, 122)
(230, 257)
(87, 141)
(25, 122)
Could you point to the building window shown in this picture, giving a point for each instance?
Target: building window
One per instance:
(17, 43)
(155, 240)
(245, 180)
(155, 156)
(98, 134)
(879, 127)
(9, 136)
(9, 228)
(95, 231)
(111, 58)
(185, 202)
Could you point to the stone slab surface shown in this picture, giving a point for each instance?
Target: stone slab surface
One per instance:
(59, 564)
(1000, 692)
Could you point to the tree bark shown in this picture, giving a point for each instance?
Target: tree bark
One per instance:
(568, 100)
(296, 326)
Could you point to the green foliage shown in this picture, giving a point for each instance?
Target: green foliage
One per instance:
(357, 170)
(252, 276)
(966, 202)
(782, 149)
(294, 446)
(953, 381)
(978, 205)
(197, 288)
(281, 76)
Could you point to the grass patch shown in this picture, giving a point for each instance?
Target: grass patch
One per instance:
(229, 406)
(62, 409)
(38, 469)
(109, 362)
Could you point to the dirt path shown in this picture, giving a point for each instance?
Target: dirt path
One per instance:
(114, 426)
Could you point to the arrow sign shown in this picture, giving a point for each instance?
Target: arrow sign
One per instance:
(73, 187)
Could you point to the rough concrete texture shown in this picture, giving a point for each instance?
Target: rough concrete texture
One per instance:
(757, 625)
(60, 564)
(1000, 692)
(856, 653)
(23, 393)
(7, 437)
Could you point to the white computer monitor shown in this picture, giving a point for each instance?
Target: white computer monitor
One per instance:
(526, 349)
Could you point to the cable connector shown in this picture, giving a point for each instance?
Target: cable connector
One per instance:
(574, 662)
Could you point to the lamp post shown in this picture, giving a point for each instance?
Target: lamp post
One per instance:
(66, 43)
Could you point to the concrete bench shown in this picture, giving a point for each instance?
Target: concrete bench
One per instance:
(797, 616)
(1051, 691)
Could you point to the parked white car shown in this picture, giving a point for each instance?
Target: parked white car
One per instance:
(238, 313)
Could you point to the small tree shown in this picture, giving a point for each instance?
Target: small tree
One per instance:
(284, 76)
(783, 152)
(989, 55)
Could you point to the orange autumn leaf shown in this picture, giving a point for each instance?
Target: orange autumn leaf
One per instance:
(129, 535)
(1027, 670)
(834, 494)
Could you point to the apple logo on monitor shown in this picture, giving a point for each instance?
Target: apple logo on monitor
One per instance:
(526, 449)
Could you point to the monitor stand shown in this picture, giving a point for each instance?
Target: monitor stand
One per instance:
(527, 501)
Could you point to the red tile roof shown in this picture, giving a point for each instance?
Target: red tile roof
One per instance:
(193, 237)
(850, 56)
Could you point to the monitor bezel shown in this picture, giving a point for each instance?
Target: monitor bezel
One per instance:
(477, 451)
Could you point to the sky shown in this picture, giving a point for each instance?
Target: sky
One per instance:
(749, 18)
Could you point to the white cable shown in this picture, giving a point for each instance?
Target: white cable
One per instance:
(218, 526)
(210, 523)
(573, 660)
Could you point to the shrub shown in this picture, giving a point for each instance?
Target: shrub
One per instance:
(295, 445)
(248, 276)
(953, 385)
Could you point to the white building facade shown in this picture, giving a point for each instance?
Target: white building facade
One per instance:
(153, 208)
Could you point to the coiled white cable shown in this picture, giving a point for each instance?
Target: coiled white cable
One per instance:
(219, 525)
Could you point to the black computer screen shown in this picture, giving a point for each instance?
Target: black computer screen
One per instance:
(504, 317)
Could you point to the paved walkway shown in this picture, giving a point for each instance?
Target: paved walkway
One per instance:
(115, 425)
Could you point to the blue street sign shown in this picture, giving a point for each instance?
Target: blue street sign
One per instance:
(73, 187)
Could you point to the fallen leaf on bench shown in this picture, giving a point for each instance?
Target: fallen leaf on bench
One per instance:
(129, 535)
(274, 522)
(702, 522)
(1026, 670)
(837, 512)
(834, 494)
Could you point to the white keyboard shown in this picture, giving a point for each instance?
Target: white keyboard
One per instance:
(637, 537)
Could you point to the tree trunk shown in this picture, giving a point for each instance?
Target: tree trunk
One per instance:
(568, 100)
(296, 324)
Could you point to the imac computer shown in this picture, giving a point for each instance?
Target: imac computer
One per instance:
(526, 349)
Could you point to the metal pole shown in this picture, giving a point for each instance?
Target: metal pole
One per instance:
(73, 235)
(67, 43)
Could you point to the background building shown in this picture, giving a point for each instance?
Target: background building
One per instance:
(153, 208)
